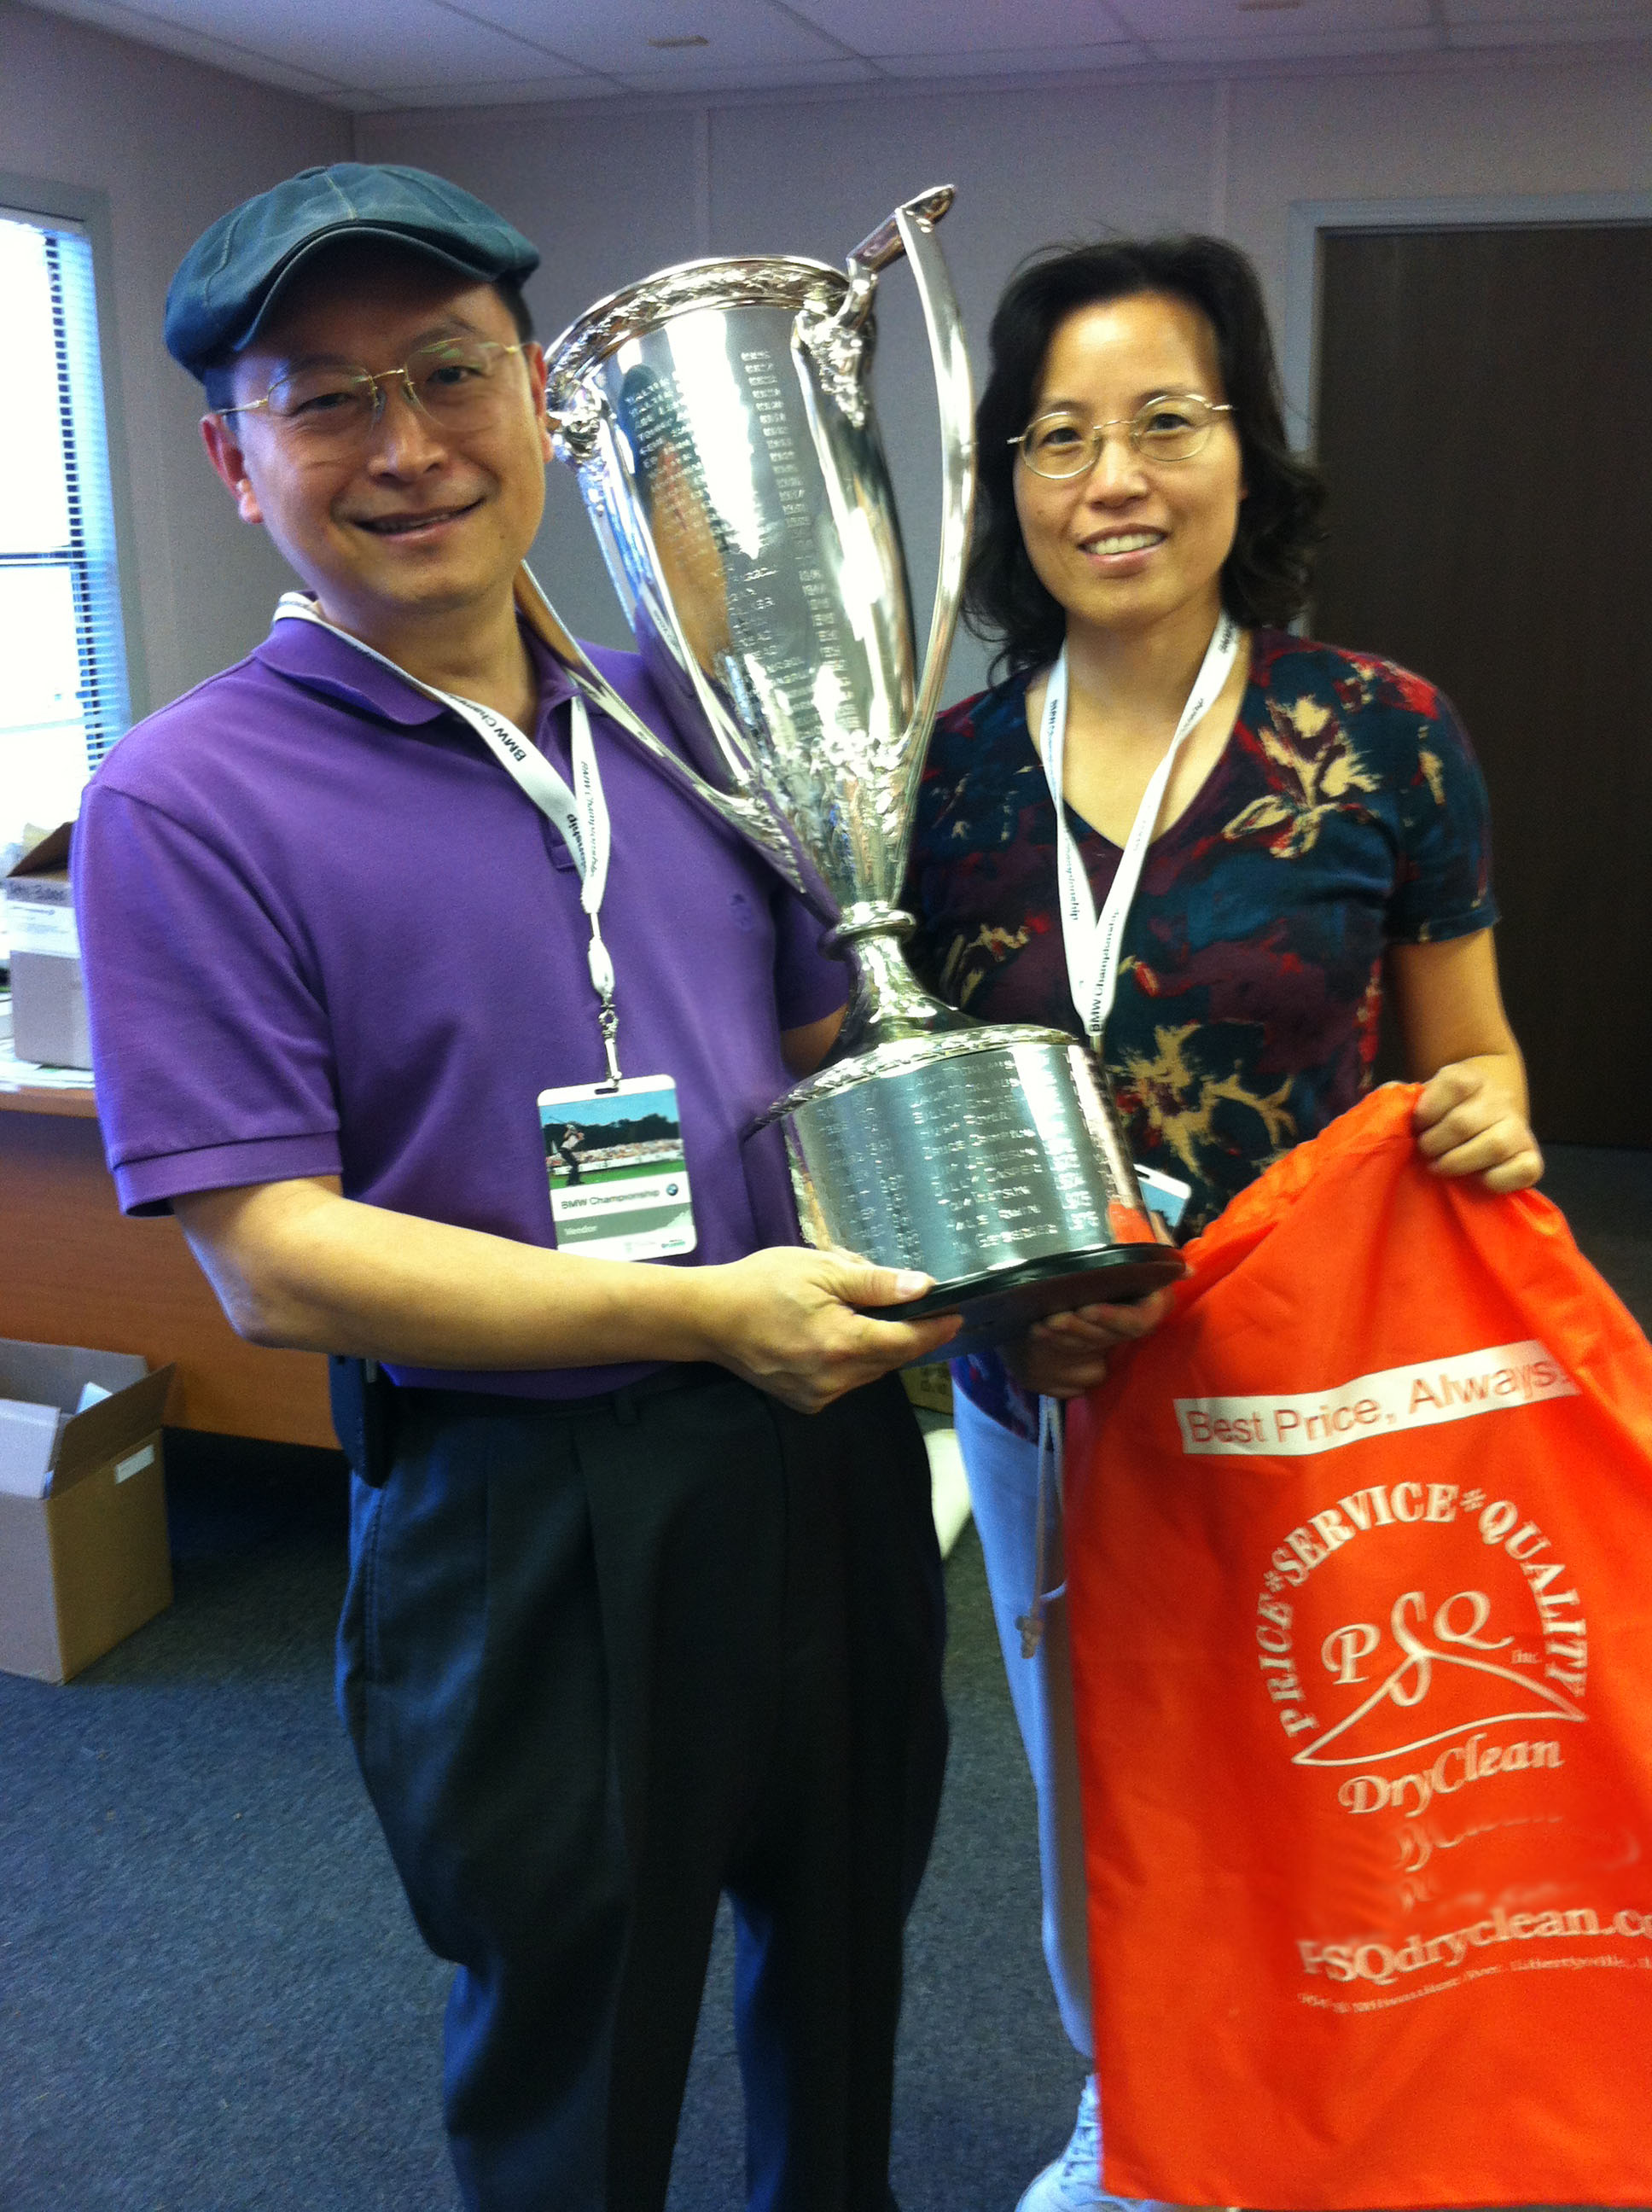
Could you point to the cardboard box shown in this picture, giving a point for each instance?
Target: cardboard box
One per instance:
(83, 1556)
(48, 1000)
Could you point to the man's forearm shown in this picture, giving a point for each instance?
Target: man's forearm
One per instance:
(297, 1265)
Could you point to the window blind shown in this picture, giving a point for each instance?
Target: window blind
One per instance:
(64, 700)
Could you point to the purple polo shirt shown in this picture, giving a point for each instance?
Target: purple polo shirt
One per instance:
(325, 933)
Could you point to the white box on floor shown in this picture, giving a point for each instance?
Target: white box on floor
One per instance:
(48, 998)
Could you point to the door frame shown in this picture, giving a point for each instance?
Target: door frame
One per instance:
(1311, 220)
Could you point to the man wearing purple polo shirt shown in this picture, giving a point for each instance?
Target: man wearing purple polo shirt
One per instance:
(645, 1604)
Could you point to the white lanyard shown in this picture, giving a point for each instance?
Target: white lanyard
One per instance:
(1093, 945)
(581, 815)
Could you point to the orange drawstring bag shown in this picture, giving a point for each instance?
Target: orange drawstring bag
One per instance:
(1359, 1555)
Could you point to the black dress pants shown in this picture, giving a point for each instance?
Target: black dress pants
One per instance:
(601, 1663)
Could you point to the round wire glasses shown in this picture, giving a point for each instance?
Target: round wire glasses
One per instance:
(1174, 426)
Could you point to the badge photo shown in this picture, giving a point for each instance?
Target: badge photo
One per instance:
(619, 1180)
(1167, 1196)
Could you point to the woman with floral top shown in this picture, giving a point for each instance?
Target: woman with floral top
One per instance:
(1310, 831)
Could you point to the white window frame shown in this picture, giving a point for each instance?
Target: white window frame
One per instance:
(112, 683)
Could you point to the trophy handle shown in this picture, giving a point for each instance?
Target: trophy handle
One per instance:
(747, 815)
(911, 231)
(888, 242)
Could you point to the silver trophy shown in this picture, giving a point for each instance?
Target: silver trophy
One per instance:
(719, 417)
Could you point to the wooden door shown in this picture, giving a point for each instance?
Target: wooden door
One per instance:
(1484, 417)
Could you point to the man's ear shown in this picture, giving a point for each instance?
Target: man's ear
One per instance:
(533, 354)
(224, 452)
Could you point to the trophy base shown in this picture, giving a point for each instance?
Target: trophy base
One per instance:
(989, 1158)
(997, 1307)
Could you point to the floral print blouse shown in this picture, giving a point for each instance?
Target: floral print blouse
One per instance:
(1346, 813)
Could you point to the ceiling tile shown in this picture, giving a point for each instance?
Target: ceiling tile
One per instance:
(443, 53)
(421, 43)
(947, 31)
(216, 50)
(615, 35)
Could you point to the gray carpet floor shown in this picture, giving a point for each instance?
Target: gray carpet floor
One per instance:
(212, 1998)
(211, 1994)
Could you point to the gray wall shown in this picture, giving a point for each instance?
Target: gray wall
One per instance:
(613, 194)
(609, 197)
(168, 145)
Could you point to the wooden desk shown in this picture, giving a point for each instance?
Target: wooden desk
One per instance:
(74, 1270)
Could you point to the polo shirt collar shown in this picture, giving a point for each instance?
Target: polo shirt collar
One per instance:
(323, 661)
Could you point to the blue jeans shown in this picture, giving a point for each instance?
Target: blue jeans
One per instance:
(1003, 1473)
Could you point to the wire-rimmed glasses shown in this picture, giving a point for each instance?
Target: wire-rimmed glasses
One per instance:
(332, 407)
(1173, 426)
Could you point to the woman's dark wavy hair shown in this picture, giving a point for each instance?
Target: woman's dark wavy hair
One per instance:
(1265, 577)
